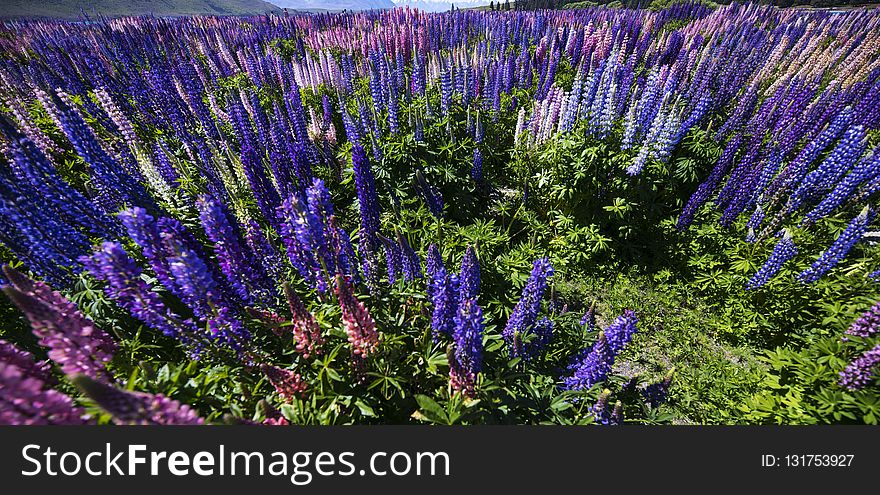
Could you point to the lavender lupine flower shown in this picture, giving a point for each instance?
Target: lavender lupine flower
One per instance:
(30, 368)
(840, 248)
(359, 325)
(862, 371)
(26, 400)
(868, 324)
(590, 367)
(287, 383)
(74, 342)
(522, 319)
(621, 330)
(467, 357)
(782, 252)
(469, 280)
(656, 393)
(125, 285)
(137, 408)
(306, 331)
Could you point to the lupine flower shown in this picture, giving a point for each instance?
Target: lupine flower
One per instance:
(469, 280)
(868, 324)
(589, 318)
(477, 168)
(126, 286)
(137, 408)
(359, 325)
(306, 331)
(782, 252)
(368, 200)
(840, 248)
(393, 258)
(522, 319)
(10, 354)
(74, 342)
(432, 196)
(410, 262)
(26, 400)
(467, 358)
(621, 331)
(600, 411)
(287, 383)
(590, 367)
(862, 371)
(656, 393)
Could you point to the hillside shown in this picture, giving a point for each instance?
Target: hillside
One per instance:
(316, 5)
(69, 9)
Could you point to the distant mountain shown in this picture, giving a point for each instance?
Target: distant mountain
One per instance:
(69, 9)
(441, 5)
(314, 5)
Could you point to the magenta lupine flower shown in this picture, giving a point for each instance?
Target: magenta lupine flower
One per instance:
(74, 342)
(305, 327)
(359, 325)
(868, 324)
(862, 371)
(26, 400)
(287, 383)
(137, 408)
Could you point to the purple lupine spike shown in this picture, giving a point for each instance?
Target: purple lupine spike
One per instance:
(410, 262)
(600, 411)
(29, 367)
(393, 258)
(445, 291)
(469, 279)
(784, 250)
(656, 393)
(621, 331)
(524, 316)
(137, 408)
(590, 366)
(868, 324)
(477, 167)
(589, 318)
(74, 342)
(26, 400)
(368, 200)
(862, 371)
(839, 248)
(433, 264)
(126, 286)
(243, 273)
(467, 357)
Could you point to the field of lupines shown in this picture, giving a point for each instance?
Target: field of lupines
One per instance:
(585, 216)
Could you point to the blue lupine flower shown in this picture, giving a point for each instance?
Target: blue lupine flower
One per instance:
(840, 248)
(467, 358)
(590, 367)
(621, 330)
(524, 316)
(477, 168)
(782, 252)
(470, 275)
